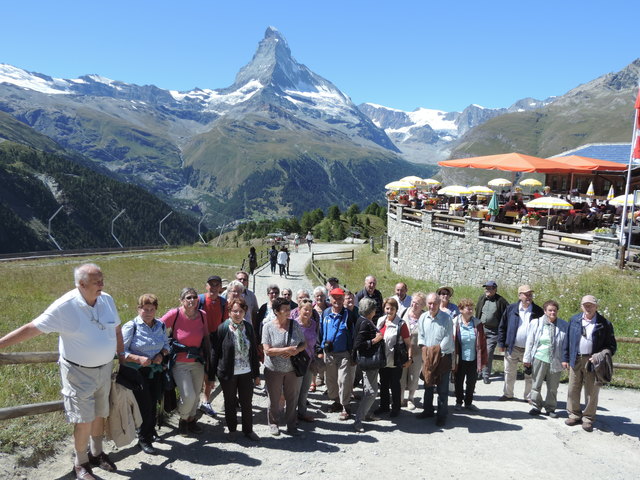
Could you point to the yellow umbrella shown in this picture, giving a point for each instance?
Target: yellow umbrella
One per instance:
(619, 200)
(481, 189)
(611, 195)
(590, 191)
(454, 191)
(549, 202)
(399, 185)
(431, 181)
(499, 182)
(413, 180)
(531, 182)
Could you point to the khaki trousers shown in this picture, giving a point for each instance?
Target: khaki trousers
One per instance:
(339, 377)
(579, 377)
(511, 371)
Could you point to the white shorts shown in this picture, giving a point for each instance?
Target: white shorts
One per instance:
(85, 391)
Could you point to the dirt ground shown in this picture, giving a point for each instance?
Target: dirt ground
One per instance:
(501, 441)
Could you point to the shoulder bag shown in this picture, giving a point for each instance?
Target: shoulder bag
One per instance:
(400, 352)
(300, 360)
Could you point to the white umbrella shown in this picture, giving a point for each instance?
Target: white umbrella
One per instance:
(431, 181)
(481, 189)
(500, 182)
(619, 200)
(399, 185)
(549, 202)
(454, 191)
(413, 180)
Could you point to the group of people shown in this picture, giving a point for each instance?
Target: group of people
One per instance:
(329, 336)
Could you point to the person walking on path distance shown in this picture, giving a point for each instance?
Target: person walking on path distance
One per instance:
(309, 239)
(512, 338)
(590, 337)
(282, 261)
(89, 326)
(489, 309)
(273, 258)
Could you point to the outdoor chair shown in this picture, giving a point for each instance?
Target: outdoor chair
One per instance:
(552, 222)
(567, 225)
(543, 221)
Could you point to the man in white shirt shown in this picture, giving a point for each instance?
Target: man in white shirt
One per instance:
(512, 339)
(89, 326)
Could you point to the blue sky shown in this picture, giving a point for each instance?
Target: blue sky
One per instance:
(402, 54)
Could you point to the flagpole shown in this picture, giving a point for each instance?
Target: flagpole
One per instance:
(623, 220)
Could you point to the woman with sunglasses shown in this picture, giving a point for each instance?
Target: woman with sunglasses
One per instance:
(446, 306)
(190, 352)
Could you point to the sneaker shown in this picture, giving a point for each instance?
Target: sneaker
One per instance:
(587, 426)
(552, 414)
(472, 408)
(358, 427)
(344, 415)
(207, 409)
(83, 472)
(411, 405)
(274, 430)
(252, 436)
(534, 411)
(102, 460)
(458, 407)
(486, 380)
(572, 422)
(504, 398)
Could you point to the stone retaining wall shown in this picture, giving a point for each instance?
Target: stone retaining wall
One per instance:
(450, 257)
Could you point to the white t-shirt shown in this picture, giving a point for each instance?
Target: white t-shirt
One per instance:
(87, 334)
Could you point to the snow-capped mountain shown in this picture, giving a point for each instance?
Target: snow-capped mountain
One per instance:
(426, 135)
(279, 139)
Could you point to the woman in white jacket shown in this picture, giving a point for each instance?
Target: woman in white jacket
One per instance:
(543, 352)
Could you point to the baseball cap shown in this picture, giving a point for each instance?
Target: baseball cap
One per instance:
(336, 291)
(588, 299)
(524, 289)
(214, 278)
(490, 283)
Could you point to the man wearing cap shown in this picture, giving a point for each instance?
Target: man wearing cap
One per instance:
(216, 308)
(489, 310)
(512, 339)
(371, 292)
(404, 300)
(336, 341)
(89, 326)
(589, 334)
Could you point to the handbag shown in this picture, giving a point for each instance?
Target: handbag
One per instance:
(375, 361)
(300, 361)
(400, 351)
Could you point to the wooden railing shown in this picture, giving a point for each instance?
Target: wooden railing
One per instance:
(318, 273)
(567, 242)
(448, 222)
(501, 231)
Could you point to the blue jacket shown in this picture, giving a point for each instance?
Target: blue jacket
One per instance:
(603, 338)
(341, 332)
(509, 324)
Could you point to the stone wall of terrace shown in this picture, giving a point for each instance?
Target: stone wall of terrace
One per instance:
(463, 250)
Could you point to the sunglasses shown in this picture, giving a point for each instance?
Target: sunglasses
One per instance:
(191, 297)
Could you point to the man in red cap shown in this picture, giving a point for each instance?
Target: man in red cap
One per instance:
(589, 335)
(336, 341)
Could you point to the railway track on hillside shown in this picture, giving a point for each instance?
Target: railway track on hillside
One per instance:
(10, 257)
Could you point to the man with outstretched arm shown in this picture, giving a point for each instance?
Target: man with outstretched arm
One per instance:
(89, 326)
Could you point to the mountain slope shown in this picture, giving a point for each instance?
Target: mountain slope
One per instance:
(598, 111)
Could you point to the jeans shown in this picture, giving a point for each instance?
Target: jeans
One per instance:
(390, 380)
(238, 387)
(466, 370)
(492, 342)
(443, 395)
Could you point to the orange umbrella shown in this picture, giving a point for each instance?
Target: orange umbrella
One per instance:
(511, 162)
(590, 164)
